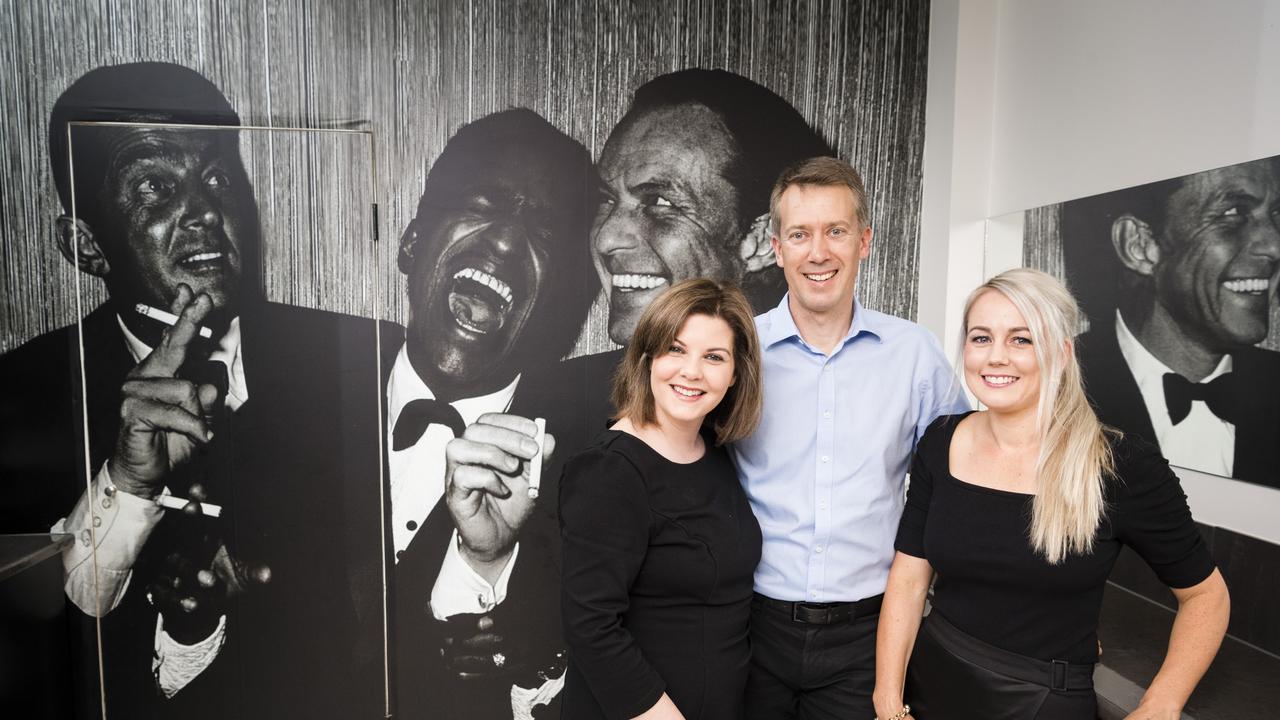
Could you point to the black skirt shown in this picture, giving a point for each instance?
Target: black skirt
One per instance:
(955, 676)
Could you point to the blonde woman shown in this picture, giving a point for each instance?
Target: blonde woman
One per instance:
(1021, 510)
(659, 542)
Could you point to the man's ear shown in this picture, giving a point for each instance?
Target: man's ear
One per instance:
(756, 249)
(1135, 244)
(78, 245)
(408, 245)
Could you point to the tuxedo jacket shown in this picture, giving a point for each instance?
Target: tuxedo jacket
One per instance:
(297, 474)
(529, 618)
(1114, 394)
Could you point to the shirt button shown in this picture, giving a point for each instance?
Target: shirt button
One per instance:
(412, 525)
(826, 414)
(814, 595)
(106, 502)
(818, 549)
(822, 504)
(825, 458)
(399, 554)
(97, 521)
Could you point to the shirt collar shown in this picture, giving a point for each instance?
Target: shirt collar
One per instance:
(1147, 368)
(782, 326)
(405, 386)
(227, 352)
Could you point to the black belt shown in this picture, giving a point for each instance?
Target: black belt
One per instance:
(824, 613)
(1054, 674)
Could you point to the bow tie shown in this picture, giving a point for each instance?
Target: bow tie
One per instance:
(420, 414)
(1180, 392)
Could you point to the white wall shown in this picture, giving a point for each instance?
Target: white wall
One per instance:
(1033, 102)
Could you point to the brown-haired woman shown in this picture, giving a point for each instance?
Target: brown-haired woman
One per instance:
(659, 541)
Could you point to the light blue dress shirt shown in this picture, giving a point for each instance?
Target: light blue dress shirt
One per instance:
(824, 470)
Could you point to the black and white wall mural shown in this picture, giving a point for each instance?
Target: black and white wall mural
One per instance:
(290, 289)
(1178, 281)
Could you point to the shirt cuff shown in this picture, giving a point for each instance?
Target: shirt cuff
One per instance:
(460, 589)
(175, 665)
(113, 525)
(524, 700)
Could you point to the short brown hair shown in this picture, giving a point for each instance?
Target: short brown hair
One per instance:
(827, 171)
(739, 411)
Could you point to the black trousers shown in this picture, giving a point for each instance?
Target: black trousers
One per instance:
(810, 672)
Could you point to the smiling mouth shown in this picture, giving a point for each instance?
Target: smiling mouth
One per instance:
(479, 302)
(631, 282)
(820, 277)
(202, 261)
(999, 380)
(1248, 286)
(688, 392)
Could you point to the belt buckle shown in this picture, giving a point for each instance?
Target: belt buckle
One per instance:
(802, 613)
(1058, 675)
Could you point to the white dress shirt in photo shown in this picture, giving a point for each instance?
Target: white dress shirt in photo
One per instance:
(417, 484)
(1202, 441)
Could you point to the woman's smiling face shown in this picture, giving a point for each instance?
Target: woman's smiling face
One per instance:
(1000, 363)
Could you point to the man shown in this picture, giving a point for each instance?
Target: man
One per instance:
(495, 259)
(261, 418)
(848, 391)
(1177, 298)
(686, 177)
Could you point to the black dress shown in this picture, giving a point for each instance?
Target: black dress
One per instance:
(993, 586)
(658, 565)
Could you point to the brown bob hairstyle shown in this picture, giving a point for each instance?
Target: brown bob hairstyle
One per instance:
(738, 413)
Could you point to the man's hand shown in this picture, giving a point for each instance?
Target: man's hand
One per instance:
(162, 417)
(192, 596)
(487, 487)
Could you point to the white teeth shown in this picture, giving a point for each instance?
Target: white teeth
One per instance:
(999, 379)
(824, 276)
(201, 257)
(688, 392)
(487, 280)
(1247, 285)
(638, 282)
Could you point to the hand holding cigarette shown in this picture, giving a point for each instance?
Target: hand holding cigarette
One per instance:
(492, 477)
(162, 417)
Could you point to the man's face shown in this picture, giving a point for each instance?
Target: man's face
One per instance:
(176, 208)
(1220, 255)
(668, 213)
(480, 269)
(819, 246)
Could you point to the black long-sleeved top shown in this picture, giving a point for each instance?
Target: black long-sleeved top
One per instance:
(992, 585)
(656, 594)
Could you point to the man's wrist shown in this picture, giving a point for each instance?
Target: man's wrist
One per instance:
(118, 479)
(488, 565)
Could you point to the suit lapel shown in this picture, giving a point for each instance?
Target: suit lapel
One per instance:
(1112, 390)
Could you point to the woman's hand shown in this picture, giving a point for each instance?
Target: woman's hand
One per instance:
(664, 709)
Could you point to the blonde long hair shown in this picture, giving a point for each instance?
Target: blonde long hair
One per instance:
(1075, 459)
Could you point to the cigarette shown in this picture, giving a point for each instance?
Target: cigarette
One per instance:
(168, 318)
(173, 502)
(535, 462)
